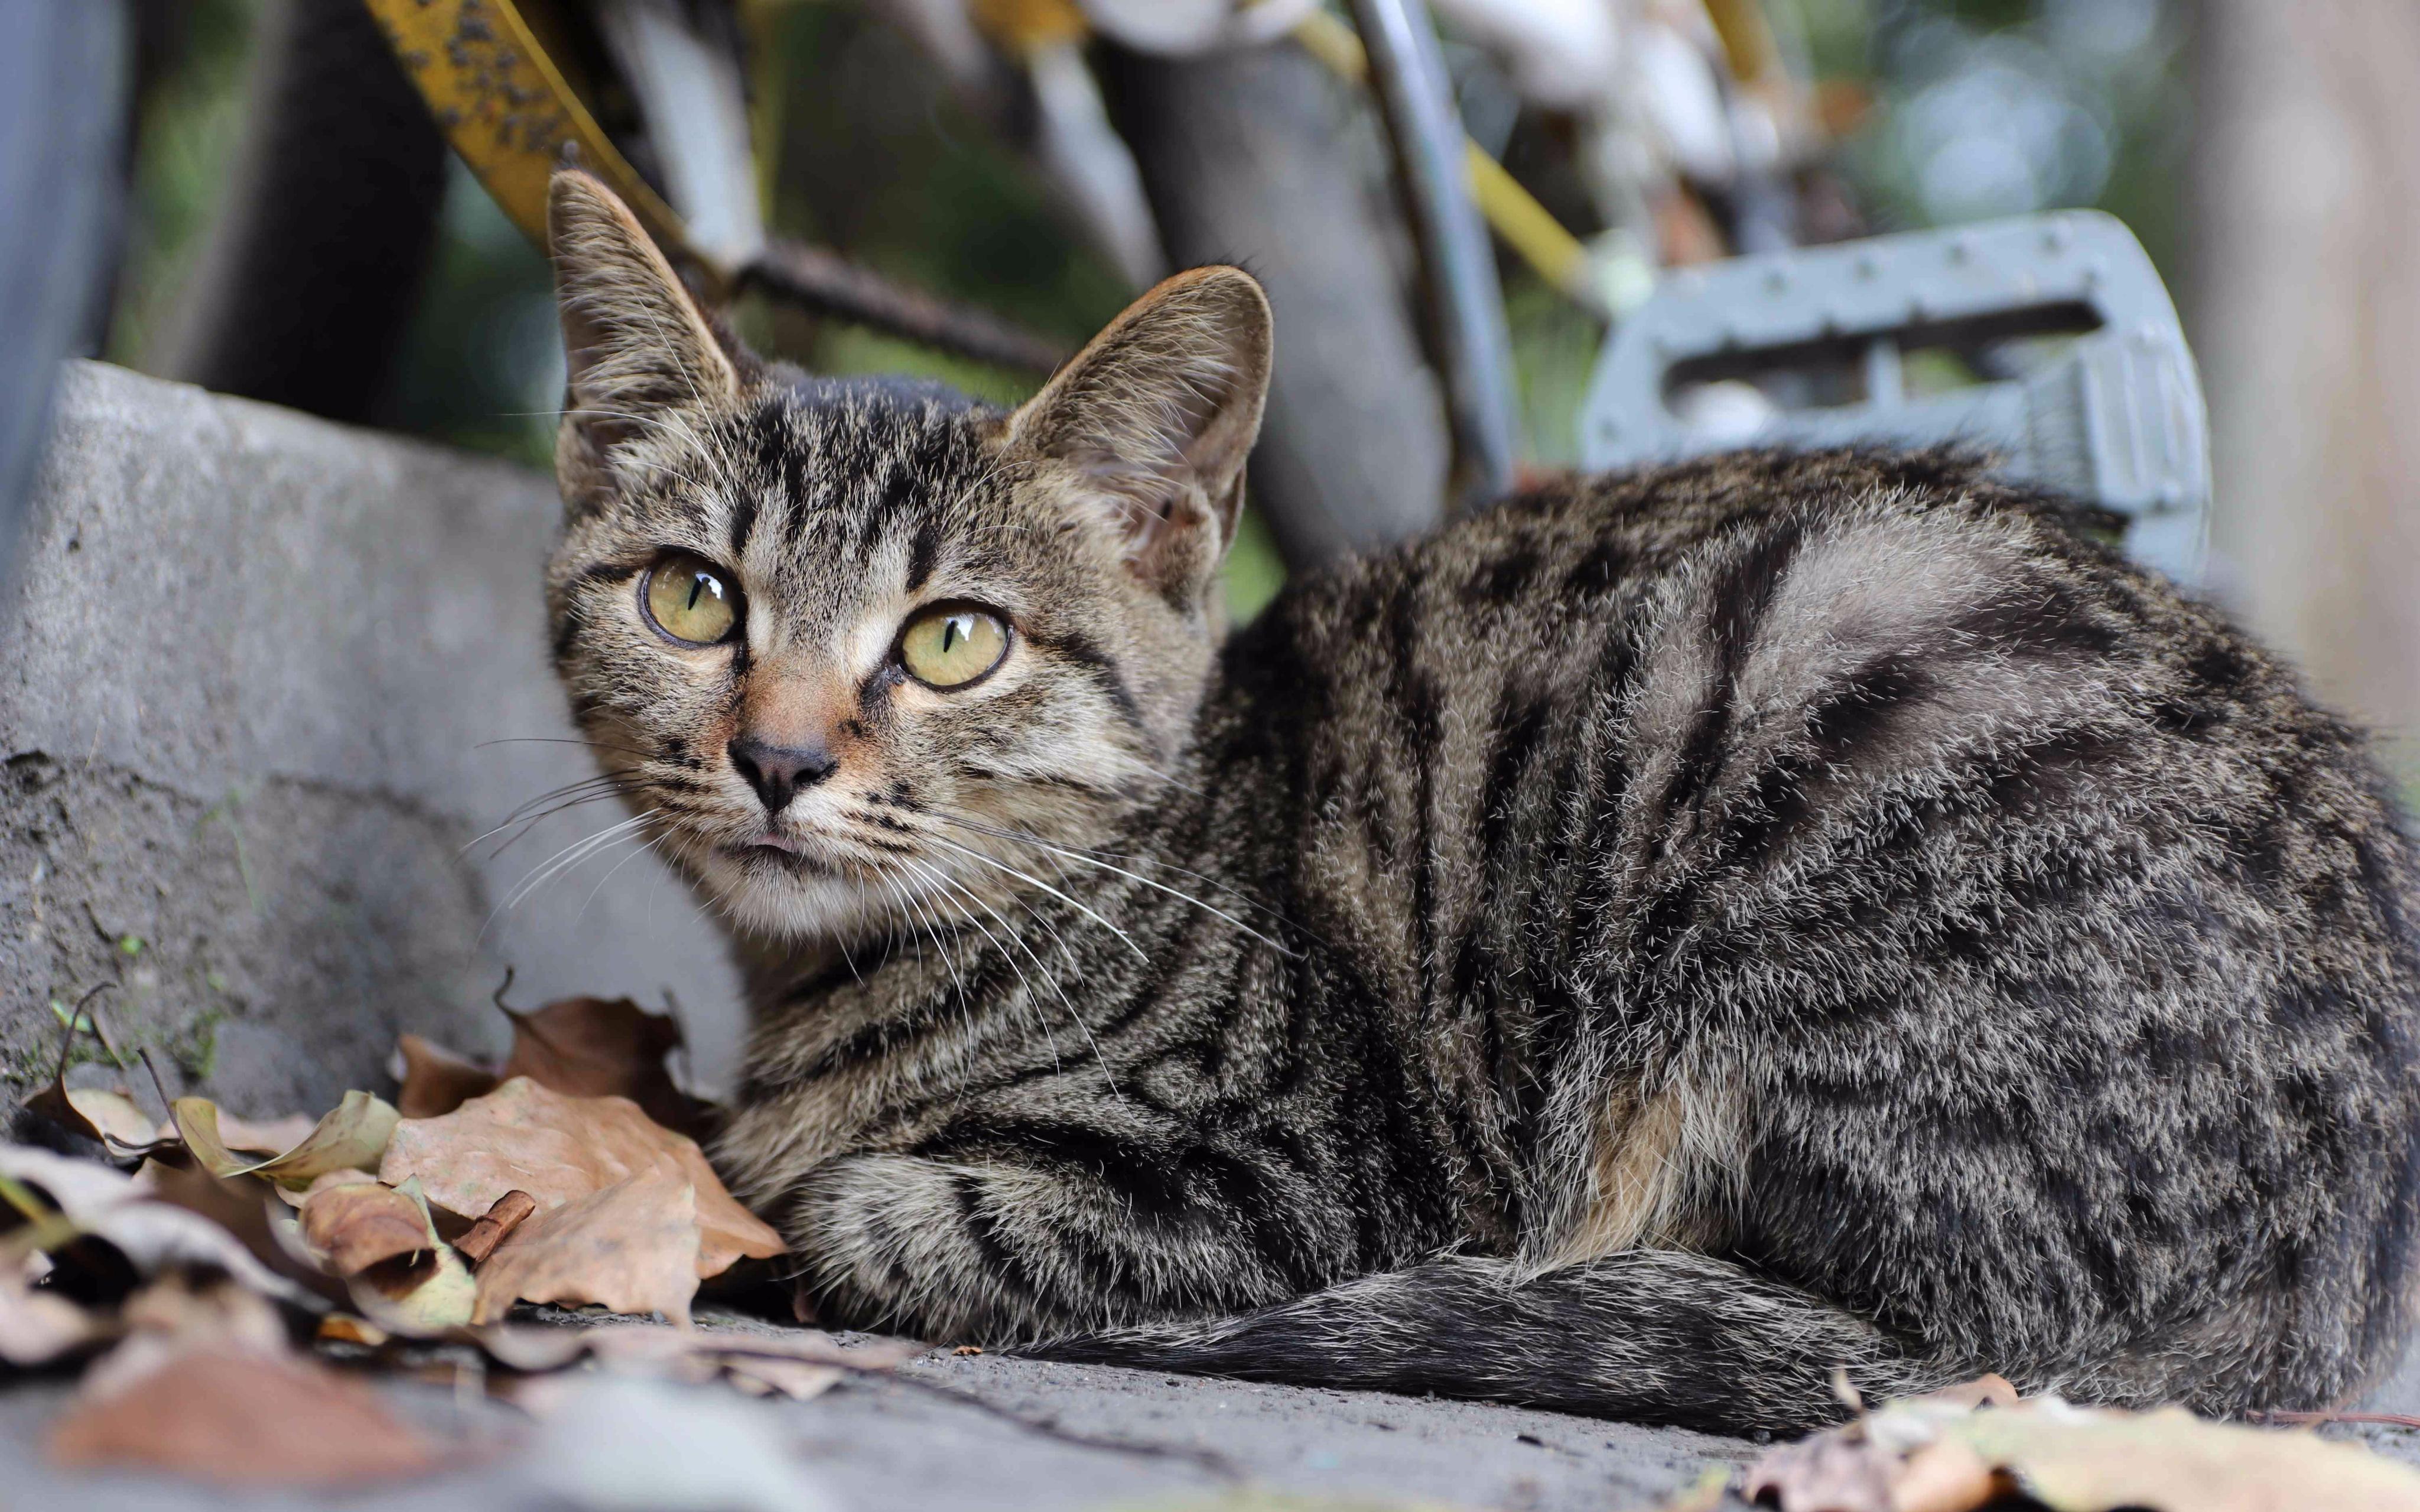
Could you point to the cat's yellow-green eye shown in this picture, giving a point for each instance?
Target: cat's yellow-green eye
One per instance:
(690, 599)
(952, 646)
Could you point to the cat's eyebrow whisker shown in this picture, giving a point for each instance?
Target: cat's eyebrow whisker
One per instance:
(1030, 878)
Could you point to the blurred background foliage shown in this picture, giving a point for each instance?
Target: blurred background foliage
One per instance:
(1953, 109)
(1970, 109)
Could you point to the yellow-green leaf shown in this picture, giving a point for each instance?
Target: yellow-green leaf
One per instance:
(352, 1137)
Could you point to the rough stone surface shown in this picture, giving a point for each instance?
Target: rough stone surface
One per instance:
(250, 672)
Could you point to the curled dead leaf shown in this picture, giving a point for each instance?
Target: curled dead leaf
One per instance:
(631, 1246)
(262, 1137)
(1960, 1450)
(355, 1224)
(423, 1293)
(606, 1047)
(794, 1362)
(344, 1328)
(37, 1327)
(2075, 1460)
(558, 1149)
(353, 1136)
(495, 1226)
(246, 1209)
(578, 1046)
(111, 1117)
(178, 1313)
(239, 1418)
(151, 1235)
(798, 1381)
(435, 1080)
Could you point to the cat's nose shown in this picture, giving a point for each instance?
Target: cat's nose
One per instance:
(778, 772)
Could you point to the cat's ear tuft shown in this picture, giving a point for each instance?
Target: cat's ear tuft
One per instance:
(636, 346)
(1158, 415)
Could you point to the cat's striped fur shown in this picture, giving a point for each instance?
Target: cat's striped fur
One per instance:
(1632, 951)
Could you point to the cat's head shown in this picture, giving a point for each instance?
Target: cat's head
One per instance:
(860, 651)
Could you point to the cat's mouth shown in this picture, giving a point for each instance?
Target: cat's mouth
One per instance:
(787, 852)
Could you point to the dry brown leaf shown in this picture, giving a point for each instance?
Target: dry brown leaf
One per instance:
(436, 1081)
(1841, 1470)
(153, 1235)
(352, 1137)
(558, 1149)
(176, 1315)
(240, 1419)
(37, 1327)
(423, 1294)
(631, 1246)
(243, 1206)
(1945, 1477)
(355, 1224)
(1958, 1451)
(793, 1361)
(111, 1117)
(798, 1381)
(2077, 1461)
(606, 1047)
(344, 1328)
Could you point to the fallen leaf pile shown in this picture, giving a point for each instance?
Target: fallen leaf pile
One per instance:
(224, 1281)
(1979, 1446)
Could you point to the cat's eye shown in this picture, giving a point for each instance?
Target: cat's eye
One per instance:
(952, 646)
(690, 599)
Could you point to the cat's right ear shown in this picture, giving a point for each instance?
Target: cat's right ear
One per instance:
(637, 348)
(1156, 418)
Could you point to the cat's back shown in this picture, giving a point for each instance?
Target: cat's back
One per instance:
(1941, 873)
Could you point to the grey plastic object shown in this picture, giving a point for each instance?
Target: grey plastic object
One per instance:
(2115, 417)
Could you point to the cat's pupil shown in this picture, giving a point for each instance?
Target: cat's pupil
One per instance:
(696, 590)
(951, 632)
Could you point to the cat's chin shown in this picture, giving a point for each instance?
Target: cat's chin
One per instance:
(783, 895)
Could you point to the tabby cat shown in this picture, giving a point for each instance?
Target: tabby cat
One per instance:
(1632, 951)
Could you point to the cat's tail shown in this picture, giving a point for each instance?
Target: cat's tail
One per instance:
(1647, 1335)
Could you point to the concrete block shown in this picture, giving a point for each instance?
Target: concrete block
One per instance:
(263, 680)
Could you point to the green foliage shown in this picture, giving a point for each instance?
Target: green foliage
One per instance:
(185, 140)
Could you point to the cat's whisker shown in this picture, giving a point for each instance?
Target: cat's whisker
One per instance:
(587, 790)
(1028, 877)
(562, 740)
(939, 947)
(1092, 861)
(1028, 837)
(1073, 1015)
(644, 847)
(570, 855)
(529, 826)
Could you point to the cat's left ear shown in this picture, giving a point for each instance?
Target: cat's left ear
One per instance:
(1158, 415)
(637, 347)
